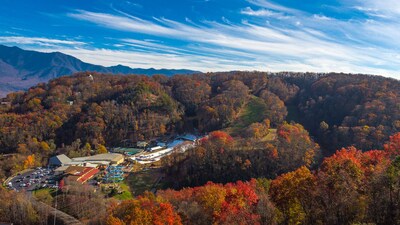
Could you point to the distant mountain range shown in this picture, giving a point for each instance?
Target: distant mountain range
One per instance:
(21, 69)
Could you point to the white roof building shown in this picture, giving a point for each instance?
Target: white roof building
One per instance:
(188, 137)
(103, 159)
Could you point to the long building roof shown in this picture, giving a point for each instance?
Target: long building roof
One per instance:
(100, 157)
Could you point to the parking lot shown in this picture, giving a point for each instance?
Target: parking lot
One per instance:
(35, 179)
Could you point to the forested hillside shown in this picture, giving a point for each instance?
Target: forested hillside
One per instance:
(269, 140)
(342, 110)
(338, 110)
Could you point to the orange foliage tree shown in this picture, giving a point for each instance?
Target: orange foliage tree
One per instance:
(29, 161)
(393, 146)
(143, 210)
(232, 203)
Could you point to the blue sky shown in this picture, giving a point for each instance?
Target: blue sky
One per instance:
(359, 36)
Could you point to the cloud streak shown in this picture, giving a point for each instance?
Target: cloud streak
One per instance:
(38, 41)
(268, 36)
(262, 13)
(385, 9)
(270, 5)
(309, 47)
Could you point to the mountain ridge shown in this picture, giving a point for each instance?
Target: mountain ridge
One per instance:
(21, 69)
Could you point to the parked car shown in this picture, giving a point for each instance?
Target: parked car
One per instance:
(51, 181)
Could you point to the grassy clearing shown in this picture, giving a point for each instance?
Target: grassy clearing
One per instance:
(45, 195)
(271, 136)
(142, 181)
(126, 192)
(252, 112)
(43, 191)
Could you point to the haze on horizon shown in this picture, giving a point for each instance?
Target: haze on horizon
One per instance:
(355, 36)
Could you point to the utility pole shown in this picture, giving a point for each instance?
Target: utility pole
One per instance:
(55, 205)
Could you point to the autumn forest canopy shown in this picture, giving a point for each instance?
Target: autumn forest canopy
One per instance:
(279, 148)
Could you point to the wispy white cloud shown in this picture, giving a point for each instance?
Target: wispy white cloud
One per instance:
(246, 37)
(149, 45)
(261, 12)
(320, 44)
(38, 41)
(322, 17)
(130, 23)
(270, 5)
(263, 43)
(387, 8)
(301, 42)
(159, 47)
(380, 28)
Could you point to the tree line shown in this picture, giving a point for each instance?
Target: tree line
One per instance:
(350, 187)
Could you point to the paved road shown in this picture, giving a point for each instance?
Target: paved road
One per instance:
(33, 179)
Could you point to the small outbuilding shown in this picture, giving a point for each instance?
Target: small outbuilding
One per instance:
(59, 160)
(155, 148)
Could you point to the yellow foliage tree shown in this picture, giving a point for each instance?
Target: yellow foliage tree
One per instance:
(87, 149)
(35, 141)
(292, 193)
(44, 146)
(101, 149)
